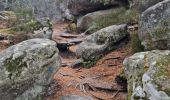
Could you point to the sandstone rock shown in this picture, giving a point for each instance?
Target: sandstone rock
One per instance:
(142, 5)
(154, 28)
(78, 7)
(26, 68)
(76, 97)
(100, 42)
(148, 75)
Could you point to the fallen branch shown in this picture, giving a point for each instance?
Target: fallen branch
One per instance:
(65, 74)
(101, 75)
(110, 65)
(110, 58)
(116, 94)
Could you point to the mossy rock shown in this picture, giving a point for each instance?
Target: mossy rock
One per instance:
(148, 75)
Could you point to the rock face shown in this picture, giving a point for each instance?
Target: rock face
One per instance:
(154, 29)
(78, 7)
(101, 41)
(76, 97)
(142, 5)
(148, 75)
(26, 68)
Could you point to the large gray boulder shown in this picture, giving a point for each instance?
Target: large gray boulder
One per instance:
(142, 5)
(154, 28)
(78, 7)
(84, 23)
(27, 68)
(75, 97)
(148, 75)
(101, 42)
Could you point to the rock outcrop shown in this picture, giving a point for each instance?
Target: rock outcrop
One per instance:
(100, 42)
(142, 5)
(154, 28)
(148, 75)
(79, 7)
(27, 68)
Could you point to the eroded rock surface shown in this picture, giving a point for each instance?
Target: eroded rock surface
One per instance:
(148, 75)
(154, 28)
(27, 68)
(101, 41)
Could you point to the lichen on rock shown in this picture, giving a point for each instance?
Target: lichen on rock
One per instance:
(148, 75)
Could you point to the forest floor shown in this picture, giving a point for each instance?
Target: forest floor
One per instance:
(97, 81)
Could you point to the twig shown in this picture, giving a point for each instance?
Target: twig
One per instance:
(101, 75)
(109, 65)
(65, 74)
(110, 58)
(116, 94)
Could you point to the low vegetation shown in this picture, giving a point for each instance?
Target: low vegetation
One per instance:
(118, 16)
(136, 45)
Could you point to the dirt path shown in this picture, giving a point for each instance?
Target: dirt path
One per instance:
(97, 82)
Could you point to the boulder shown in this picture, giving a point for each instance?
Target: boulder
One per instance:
(85, 22)
(76, 97)
(101, 42)
(95, 21)
(154, 26)
(148, 75)
(45, 33)
(65, 12)
(78, 7)
(43, 29)
(27, 68)
(142, 5)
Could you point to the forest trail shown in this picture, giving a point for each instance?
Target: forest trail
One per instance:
(97, 81)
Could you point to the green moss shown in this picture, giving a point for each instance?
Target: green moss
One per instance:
(39, 97)
(163, 72)
(14, 66)
(28, 27)
(118, 16)
(163, 68)
(136, 43)
(91, 62)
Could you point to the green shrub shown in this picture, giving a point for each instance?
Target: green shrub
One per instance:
(136, 43)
